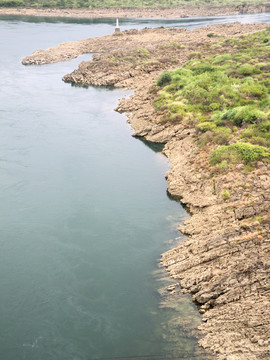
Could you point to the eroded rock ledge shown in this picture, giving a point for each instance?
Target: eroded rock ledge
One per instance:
(225, 261)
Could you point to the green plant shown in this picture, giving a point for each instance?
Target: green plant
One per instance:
(237, 152)
(245, 70)
(225, 194)
(164, 79)
(258, 133)
(222, 58)
(223, 166)
(243, 115)
(195, 55)
(11, 3)
(264, 127)
(206, 126)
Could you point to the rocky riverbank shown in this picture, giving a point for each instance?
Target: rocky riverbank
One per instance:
(225, 260)
(177, 12)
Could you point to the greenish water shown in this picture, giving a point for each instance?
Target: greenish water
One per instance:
(84, 215)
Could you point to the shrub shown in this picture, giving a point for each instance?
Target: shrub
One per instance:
(239, 152)
(215, 106)
(220, 59)
(246, 70)
(200, 69)
(254, 89)
(195, 55)
(223, 166)
(265, 126)
(222, 135)
(248, 115)
(206, 126)
(165, 78)
(174, 44)
(218, 135)
(11, 3)
(258, 133)
(228, 114)
(225, 194)
(243, 115)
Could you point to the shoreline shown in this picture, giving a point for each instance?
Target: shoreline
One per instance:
(147, 13)
(224, 262)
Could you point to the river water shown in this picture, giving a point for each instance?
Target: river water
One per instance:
(84, 210)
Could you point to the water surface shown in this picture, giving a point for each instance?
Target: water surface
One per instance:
(84, 211)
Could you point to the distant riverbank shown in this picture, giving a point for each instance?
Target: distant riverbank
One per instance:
(177, 12)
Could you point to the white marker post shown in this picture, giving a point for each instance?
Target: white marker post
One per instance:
(117, 28)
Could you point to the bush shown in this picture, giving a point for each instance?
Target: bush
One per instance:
(265, 127)
(248, 115)
(11, 3)
(225, 194)
(195, 55)
(246, 70)
(243, 115)
(200, 69)
(206, 126)
(258, 133)
(223, 166)
(165, 78)
(218, 135)
(220, 59)
(222, 135)
(239, 152)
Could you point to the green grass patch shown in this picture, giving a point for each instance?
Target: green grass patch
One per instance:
(226, 95)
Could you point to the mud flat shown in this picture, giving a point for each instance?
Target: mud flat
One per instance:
(224, 263)
(183, 11)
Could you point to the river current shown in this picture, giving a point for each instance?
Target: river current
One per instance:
(84, 210)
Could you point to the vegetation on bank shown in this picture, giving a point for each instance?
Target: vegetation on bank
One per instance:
(126, 3)
(226, 96)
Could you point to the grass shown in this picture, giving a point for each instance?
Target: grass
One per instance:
(226, 95)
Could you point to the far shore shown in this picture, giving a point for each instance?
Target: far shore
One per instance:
(177, 12)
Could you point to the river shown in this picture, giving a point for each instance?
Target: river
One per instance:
(84, 210)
